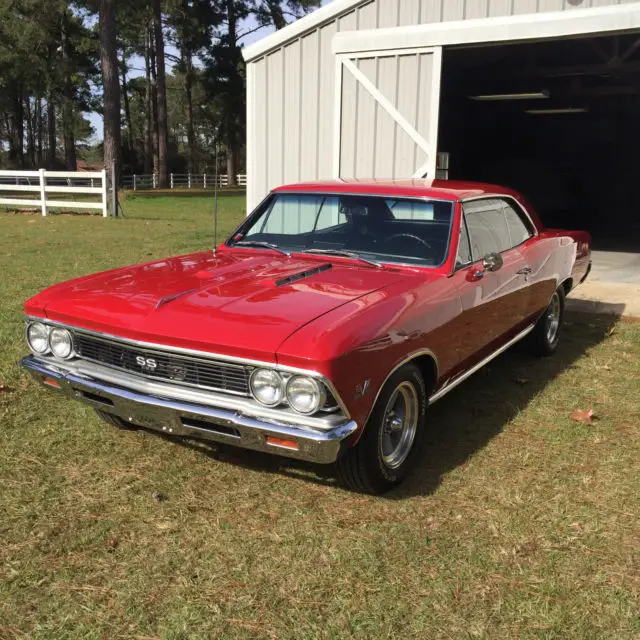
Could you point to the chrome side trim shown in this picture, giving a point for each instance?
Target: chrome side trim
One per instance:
(467, 374)
(183, 419)
(203, 354)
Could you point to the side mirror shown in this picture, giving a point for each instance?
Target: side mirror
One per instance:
(492, 262)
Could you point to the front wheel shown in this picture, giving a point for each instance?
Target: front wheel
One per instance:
(390, 444)
(545, 337)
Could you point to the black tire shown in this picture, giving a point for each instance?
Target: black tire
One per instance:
(544, 340)
(365, 467)
(114, 421)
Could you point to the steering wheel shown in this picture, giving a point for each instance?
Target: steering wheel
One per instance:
(411, 236)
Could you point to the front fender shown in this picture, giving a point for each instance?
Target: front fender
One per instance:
(360, 344)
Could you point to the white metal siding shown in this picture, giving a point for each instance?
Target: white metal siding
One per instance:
(291, 137)
(372, 143)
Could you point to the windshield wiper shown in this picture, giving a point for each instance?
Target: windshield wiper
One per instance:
(344, 253)
(260, 245)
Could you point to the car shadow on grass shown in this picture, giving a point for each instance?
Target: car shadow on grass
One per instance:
(464, 421)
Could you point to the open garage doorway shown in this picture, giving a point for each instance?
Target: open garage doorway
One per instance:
(559, 121)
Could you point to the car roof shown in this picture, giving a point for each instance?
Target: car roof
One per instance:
(441, 189)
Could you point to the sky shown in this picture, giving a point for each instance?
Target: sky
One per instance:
(137, 65)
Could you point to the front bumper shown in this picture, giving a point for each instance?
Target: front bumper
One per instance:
(177, 418)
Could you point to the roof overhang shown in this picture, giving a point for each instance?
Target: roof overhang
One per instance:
(300, 27)
(539, 26)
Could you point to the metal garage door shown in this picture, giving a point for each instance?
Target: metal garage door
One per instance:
(386, 113)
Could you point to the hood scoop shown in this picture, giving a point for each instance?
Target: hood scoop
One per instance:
(303, 274)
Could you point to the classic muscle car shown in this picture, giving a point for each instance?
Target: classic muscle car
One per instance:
(322, 329)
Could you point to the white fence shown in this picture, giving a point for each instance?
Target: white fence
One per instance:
(44, 183)
(139, 182)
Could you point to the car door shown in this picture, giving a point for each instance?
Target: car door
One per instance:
(540, 267)
(493, 303)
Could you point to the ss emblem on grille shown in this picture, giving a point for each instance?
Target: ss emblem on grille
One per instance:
(146, 363)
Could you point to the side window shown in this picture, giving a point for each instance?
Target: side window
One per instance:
(487, 227)
(464, 247)
(519, 227)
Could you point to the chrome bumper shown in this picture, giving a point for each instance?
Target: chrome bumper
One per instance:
(177, 418)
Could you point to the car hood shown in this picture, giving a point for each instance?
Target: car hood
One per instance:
(244, 303)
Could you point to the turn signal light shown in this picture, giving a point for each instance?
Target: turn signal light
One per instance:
(282, 442)
(50, 382)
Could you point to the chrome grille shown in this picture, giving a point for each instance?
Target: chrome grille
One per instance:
(171, 367)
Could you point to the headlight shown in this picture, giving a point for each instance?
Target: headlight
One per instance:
(38, 337)
(305, 394)
(61, 343)
(266, 387)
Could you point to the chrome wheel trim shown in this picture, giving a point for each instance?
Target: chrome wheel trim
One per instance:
(553, 318)
(399, 425)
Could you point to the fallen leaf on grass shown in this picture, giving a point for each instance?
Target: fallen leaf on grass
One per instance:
(582, 415)
(611, 331)
(4, 389)
(111, 544)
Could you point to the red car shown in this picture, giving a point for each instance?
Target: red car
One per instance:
(322, 329)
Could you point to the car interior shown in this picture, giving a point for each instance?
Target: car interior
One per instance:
(393, 229)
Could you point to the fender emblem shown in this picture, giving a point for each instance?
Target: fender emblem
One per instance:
(361, 389)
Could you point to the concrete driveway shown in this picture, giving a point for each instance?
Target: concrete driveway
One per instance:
(612, 287)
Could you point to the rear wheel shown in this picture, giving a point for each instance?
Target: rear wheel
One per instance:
(390, 444)
(544, 339)
(115, 421)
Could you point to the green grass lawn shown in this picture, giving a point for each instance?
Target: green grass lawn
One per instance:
(520, 522)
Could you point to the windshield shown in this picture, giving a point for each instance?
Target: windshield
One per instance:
(376, 228)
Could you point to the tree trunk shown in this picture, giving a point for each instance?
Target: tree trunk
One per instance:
(163, 129)
(148, 121)
(231, 141)
(68, 134)
(125, 101)
(39, 133)
(51, 131)
(232, 180)
(31, 132)
(154, 104)
(191, 135)
(111, 82)
(68, 105)
(277, 17)
(16, 132)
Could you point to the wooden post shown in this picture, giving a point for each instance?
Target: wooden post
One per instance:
(204, 179)
(189, 180)
(172, 180)
(105, 194)
(134, 182)
(114, 190)
(43, 191)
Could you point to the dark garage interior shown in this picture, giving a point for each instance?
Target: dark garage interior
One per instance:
(579, 166)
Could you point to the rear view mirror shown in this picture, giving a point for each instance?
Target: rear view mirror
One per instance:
(492, 262)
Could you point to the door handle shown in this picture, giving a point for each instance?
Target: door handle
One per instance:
(525, 271)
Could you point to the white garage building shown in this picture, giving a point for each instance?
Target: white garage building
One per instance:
(540, 95)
